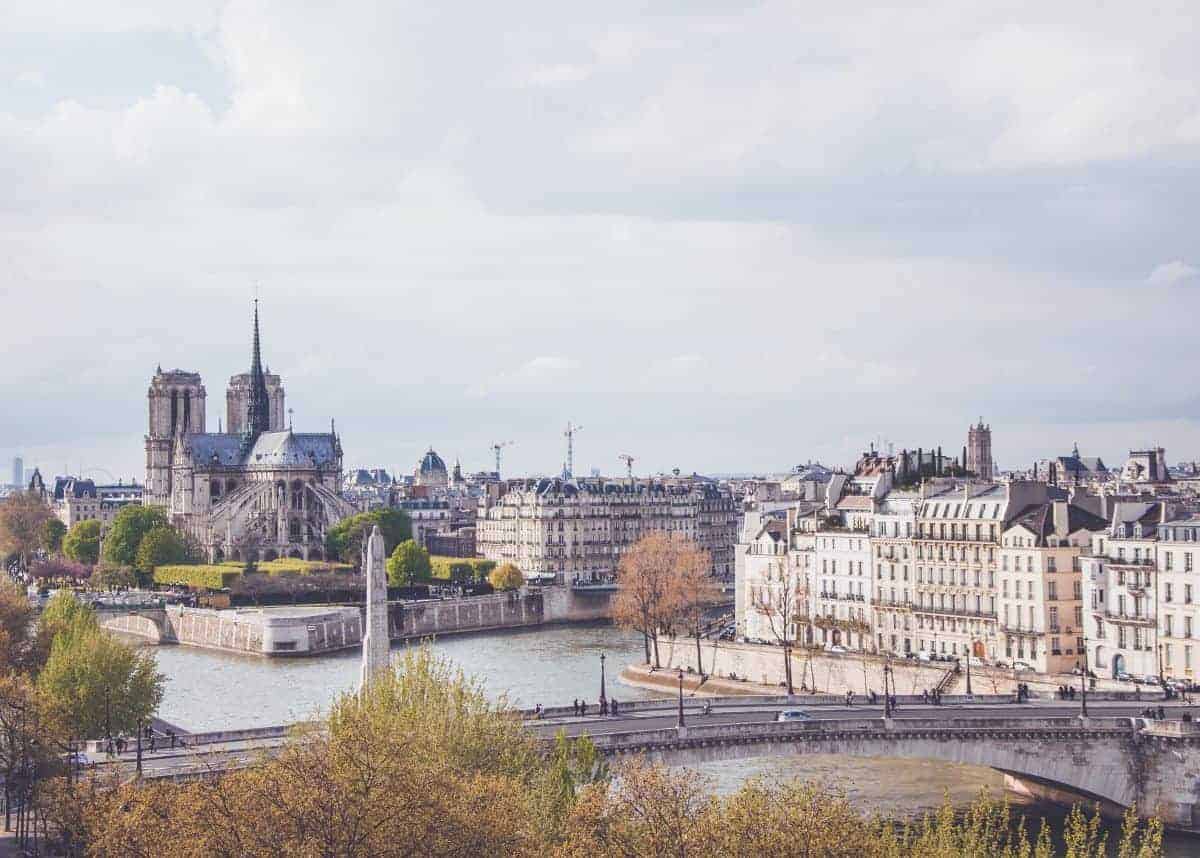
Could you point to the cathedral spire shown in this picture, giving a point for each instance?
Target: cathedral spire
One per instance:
(258, 408)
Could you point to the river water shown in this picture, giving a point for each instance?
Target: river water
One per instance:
(209, 690)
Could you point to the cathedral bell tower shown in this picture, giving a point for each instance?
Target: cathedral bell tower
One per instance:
(176, 408)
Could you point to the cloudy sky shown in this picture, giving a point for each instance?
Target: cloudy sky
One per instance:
(721, 236)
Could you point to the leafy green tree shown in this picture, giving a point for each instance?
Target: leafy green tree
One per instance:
(409, 563)
(93, 683)
(160, 546)
(110, 577)
(16, 628)
(129, 527)
(53, 532)
(63, 613)
(506, 576)
(82, 542)
(344, 539)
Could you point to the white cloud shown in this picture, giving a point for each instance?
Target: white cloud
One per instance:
(1170, 273)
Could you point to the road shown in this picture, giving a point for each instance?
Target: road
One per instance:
(165, 761)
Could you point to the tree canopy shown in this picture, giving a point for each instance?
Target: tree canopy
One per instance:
(160, 546)
(53, 532)
(129, 527)
(82, 542)
(23, 517)
(95, 684)
(408, 564)
(344, 539)
(506, 576)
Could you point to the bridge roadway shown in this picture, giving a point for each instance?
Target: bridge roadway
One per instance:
(200, 753)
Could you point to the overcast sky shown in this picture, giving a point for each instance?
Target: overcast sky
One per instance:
(721, 236)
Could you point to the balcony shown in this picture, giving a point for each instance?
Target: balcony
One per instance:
(892, 603)
(1114, 617)
(955, 612)
(843, 597)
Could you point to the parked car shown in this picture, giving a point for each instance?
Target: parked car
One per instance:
(793, 715)
(1020, 665)
(1122, 676)
(838, 648)
(925, 656)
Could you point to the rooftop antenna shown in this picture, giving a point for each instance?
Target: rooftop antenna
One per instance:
(496, 448)
(569, 434)
(628, 460)
(290, 421)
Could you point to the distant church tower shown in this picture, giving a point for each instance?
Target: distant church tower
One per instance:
(176, 408)
(979, 451)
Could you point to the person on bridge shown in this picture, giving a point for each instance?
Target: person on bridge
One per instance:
(575, 705)
(849, 698)
(707, 707)
(612, 706)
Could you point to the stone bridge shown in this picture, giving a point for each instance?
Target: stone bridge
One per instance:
(149, 624)
(1118, 762)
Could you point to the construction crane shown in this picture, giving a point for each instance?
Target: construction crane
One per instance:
(569, 470)
(628, 460)
(497, 447)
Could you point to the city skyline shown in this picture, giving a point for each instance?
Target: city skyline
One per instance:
(722, 241)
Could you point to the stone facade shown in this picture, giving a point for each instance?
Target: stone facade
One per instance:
(577, 530)
(256, 494)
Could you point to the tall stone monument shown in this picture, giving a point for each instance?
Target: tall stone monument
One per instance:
(375, 643)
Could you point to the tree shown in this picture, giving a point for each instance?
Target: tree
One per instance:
(16, 629)
(506, 576)
(344, 539)
(82, 542)
(23, 517)
(95, 684)
(691, 592)
(643, 579)
(408, 564)
(160, 546)
(128, 528)
(110, 577)
(780, 600)
(53, 532)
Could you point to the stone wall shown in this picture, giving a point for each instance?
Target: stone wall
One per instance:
(468, 614)
(832, 673)
(562, 604)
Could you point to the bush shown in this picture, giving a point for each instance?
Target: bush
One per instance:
(461, 570)
(506, 577)
(198, 577)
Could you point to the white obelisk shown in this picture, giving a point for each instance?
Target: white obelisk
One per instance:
(375, 644)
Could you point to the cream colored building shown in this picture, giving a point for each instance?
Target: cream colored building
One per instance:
(1041, 587)
(1177, 559)
(578, 529)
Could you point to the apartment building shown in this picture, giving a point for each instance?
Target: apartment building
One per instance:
(578, 529)
(892, 531)
(1178, 591)
(1041, 588)
(1120, 580)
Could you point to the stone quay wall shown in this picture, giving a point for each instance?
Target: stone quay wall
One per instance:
(511, 610)
(760, 668)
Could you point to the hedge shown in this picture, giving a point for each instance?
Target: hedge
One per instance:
(458, 568)
(291, 565)
(198, 577)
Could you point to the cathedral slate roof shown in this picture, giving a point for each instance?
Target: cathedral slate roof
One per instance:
(271, 449)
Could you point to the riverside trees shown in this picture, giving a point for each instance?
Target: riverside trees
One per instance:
(664, 582)
(423, 764)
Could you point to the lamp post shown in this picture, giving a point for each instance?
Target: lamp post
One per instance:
(680, 722)
(1083, 684)
(603, 699)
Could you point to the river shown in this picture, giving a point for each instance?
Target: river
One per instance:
(209, 690)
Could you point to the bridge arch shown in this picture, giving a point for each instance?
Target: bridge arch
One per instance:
(1098, 765)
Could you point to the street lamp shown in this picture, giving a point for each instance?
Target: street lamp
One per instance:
(603, 699)
(680, 722)
(1083, 677)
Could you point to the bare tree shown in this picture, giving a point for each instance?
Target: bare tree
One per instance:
(779, 601)
(691, 592)
(643, 583)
